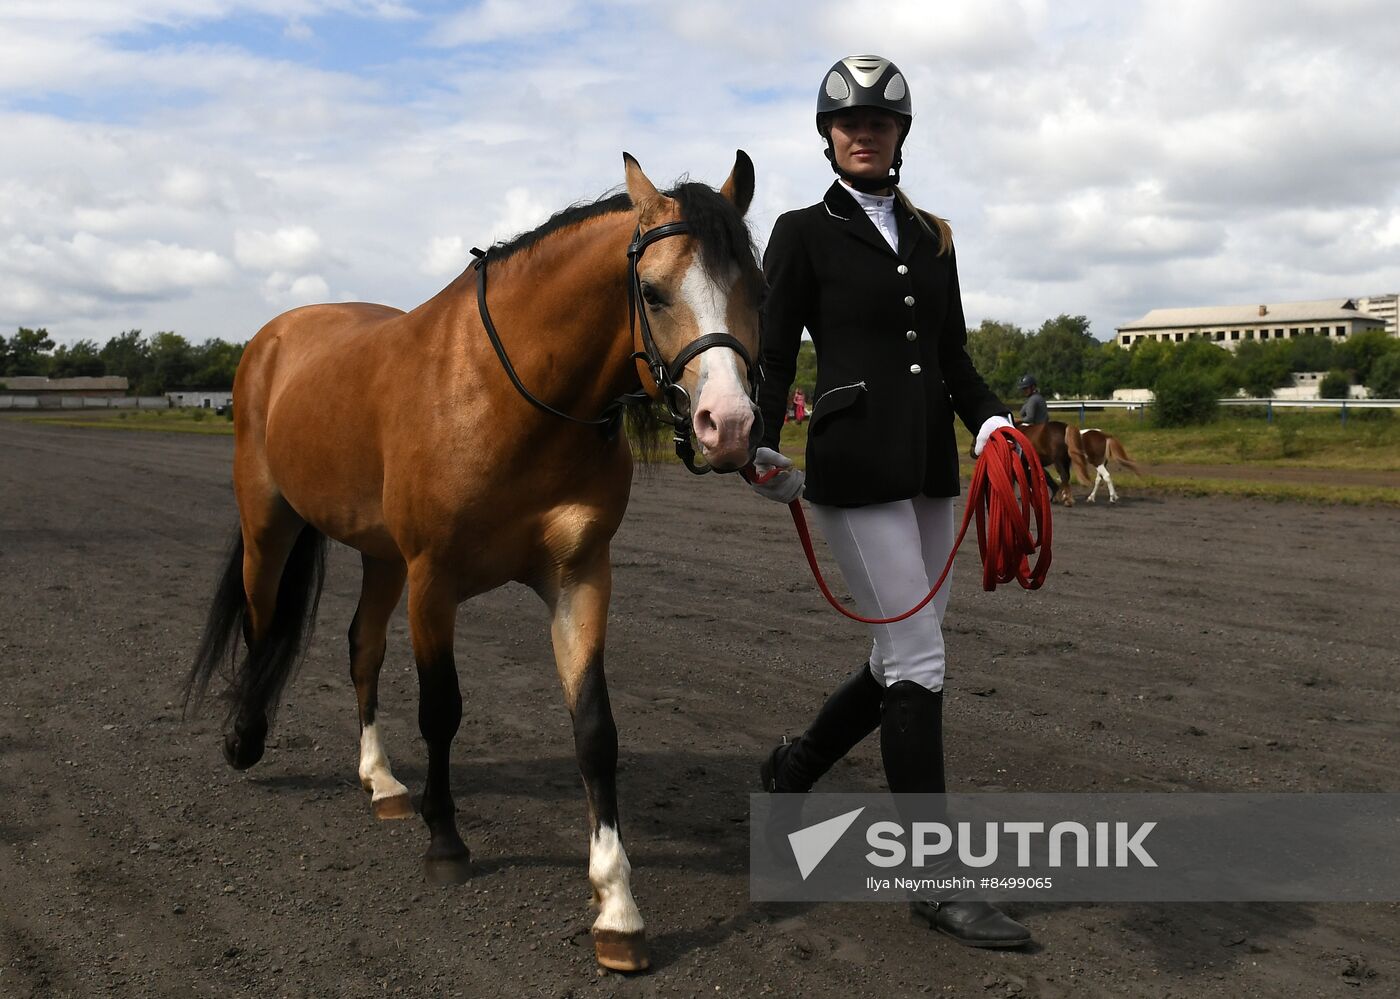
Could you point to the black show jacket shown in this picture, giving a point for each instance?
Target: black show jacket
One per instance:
(892, 364)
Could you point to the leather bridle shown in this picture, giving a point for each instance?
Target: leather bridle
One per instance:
(667, 376)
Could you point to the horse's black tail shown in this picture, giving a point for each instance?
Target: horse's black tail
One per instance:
(256, 684)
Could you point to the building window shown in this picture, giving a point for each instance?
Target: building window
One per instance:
(1341, 331)
(1219, 335)
(1180, 337)
(1278, 334)
(1292, 332)
(1310, 331)
(1234, 334)
(1126, 339)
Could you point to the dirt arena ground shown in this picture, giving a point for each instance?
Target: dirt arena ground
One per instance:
(1179, 645)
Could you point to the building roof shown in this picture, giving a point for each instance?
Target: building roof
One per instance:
(1324, 311)
(38, 383)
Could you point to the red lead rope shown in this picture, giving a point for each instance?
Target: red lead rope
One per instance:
(1009, 498)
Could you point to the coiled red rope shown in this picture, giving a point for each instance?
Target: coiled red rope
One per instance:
(1011, 499)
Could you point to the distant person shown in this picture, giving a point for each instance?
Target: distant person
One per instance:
(799, 407)
(1033, 410)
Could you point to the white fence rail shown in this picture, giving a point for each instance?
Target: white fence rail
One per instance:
(1343, 406)
(71, 402)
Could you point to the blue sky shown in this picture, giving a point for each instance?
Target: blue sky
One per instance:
(201, 165)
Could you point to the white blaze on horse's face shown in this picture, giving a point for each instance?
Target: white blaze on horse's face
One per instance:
(722, 414)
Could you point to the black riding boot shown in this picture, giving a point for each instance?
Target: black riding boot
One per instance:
(911, 743)
(848, 716)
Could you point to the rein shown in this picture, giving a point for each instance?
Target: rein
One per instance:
(666, 376)
(1007, 498)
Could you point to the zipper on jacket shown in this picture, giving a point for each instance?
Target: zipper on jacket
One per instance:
(838, 388)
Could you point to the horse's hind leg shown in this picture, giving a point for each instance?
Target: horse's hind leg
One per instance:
(1108, 480)
(579, 606)
(270, 532)
(380, 589)
(432, 615)
(1098, 478)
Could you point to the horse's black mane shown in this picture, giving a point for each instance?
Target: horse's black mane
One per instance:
(716, 224)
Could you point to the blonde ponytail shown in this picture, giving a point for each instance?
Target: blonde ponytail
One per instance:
(940, 231)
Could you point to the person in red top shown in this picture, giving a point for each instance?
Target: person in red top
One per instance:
(799, 407)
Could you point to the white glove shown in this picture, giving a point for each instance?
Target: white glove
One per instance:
(784, 487)
(990, 424)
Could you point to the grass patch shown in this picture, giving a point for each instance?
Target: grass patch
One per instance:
(1370, 439)
(1291, 491)
(173, 421)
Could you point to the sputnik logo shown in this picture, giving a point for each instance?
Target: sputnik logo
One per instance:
(811, 844)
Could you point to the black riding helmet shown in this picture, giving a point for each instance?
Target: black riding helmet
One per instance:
(864, 81)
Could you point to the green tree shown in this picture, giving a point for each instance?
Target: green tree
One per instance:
(1147, 360)
(1205, 358)
(1106, 369)
(28, 352)
(1335, 385)
(127, 354)
(1056, 354)
(214, 363)
(77, 360)
(1363, 350)
(1384, 380)
(1311, 352)
(1262, 367)
(1184, 397)
(996, 350)
(171, 364)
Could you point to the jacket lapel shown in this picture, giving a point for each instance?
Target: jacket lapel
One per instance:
(844, 211)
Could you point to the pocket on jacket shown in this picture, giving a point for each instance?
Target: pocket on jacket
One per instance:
(834, 400)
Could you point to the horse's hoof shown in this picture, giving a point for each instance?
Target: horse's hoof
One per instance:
(399, 806)
(244, 747)
(447, 866)
(619, 951)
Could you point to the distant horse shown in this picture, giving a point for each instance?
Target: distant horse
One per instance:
(458, 454)
(1049, 441)
(1097, 448)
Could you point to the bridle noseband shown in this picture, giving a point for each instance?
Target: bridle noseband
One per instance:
(667, 376)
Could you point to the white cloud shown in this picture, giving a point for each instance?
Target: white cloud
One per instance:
(521, 213)
(287, 248)
(492, 20)
(289, 291)
(1100, 159)
(444, 255)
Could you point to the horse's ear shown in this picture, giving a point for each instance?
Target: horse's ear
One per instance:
(639, 188)
(739, 187)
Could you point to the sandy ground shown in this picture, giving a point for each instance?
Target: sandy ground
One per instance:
(1180, 644)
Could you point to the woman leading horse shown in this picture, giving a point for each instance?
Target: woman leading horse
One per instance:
(474, 442)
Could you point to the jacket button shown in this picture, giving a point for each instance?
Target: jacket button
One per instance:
(901, 269)
(914, 369)
(911, 336)
(908, 299)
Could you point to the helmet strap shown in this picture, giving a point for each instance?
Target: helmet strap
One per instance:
(866, 185)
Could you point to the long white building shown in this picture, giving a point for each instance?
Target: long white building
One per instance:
(1231, 325)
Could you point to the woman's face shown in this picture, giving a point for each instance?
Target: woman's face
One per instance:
(864, 141)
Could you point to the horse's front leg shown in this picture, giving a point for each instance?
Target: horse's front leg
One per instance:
(579, 604)
(432, 615)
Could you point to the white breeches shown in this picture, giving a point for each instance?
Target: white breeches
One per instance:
(890, 555)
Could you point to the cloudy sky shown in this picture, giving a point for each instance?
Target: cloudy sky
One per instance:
(201, 165)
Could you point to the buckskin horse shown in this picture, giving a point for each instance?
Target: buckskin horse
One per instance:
(459, 447)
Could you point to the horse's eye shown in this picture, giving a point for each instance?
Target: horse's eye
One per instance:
(650, 296)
